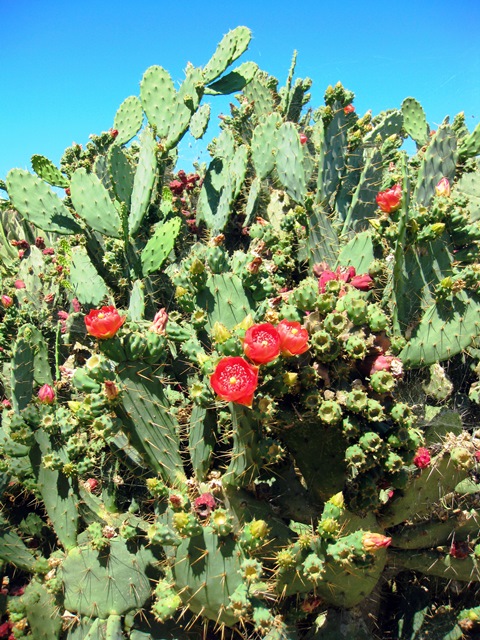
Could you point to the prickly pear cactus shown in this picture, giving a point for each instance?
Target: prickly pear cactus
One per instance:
(235, 399)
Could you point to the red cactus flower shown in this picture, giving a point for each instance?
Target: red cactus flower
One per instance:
(362, 282)
(104, 323)
(303, 138)
(261, 343)
(7, 301)
(375, 541)
(235, 380)
(390, 199)
(348, 109)
(46, 394)
(293, 338)
(422, 458)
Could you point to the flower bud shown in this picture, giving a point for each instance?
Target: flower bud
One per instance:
(443, 188)
(46, 394)
(7, 301)
(375, 541)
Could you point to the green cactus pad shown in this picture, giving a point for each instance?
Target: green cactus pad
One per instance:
(121, 174)
(199, 121)
(143, 181)
(128, 120)
(158, 98)
(93, 204)
(207, 572)
(289, 162)
(438, 162)
(231, 47)
(41, 612)
(414, 121)
(264, 147)
(224, 300)
(444, 330)
(470, 147)
(88, 286)
(148, 422)
(160, 245)
(108, 582)
(38, 204)
(46, 170)
(234, 81)
(13, 549)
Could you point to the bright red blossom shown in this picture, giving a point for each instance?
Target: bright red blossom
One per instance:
(422, 458)
(348, 109)
(262, 343)
(235, 380)
(390, 199)
(293, 338)
(104, 323)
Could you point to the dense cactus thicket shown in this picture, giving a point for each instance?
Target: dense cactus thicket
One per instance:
(243, 402)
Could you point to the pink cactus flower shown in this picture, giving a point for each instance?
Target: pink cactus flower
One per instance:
(76, 305)
(46, 394)
(375, 541)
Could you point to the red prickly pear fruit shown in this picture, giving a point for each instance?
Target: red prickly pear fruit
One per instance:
(113, 133)
(303, 138)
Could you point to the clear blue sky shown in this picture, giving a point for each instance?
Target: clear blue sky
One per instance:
(65, 67)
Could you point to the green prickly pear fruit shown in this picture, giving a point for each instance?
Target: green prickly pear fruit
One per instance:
(186, 524)
(157, 488)
(328, 528)
(221, 522)
(161, 534)
(325, 347)
(335, 323)
(305, 295)
(371, 442)
(254, 534)
(374, 411)
(382, 382)
(251, 570)
(402, 414)
(135, 345)
(330, 412)
(217, 259)
(286, 559)
(356, 401)
(462, 458)
(355, 456)
(325, 303)
(313, 567)
(356, 347)
(376, 318)
(356, 308)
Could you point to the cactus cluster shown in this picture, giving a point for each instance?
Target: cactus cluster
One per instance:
(234, 399)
